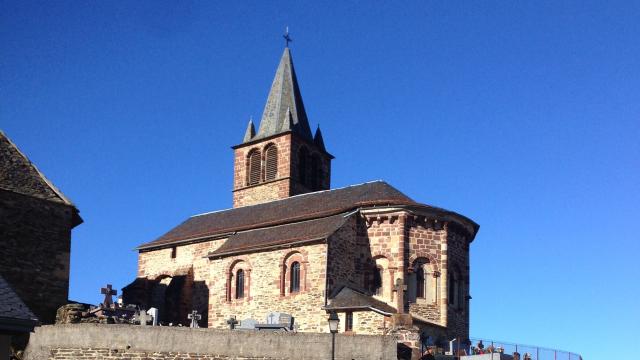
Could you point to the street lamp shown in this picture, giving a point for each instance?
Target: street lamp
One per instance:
(334, 321)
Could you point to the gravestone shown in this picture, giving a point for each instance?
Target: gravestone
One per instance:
(194, 317)
(247, 324)
(153, 312)
(277, 321)
(142, 317)
(232, 322)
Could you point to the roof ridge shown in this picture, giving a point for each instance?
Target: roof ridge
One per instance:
(294, 196)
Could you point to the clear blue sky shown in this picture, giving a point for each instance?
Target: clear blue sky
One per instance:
(524, 116)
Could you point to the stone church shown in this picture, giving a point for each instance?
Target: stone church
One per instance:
(292, 244)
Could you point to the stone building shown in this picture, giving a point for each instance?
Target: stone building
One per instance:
(292, 244)
(35, 233)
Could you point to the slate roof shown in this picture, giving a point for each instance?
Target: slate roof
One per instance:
(349, 299)
(14, 314)
(284, 110)
(293, 209)
(304, 231)
(18, 174)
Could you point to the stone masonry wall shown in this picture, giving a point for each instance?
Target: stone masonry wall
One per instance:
(190, 261)
(35, 245)
(288, 181)
(322, 180)
(380, 238)
(267, 287)
(244, 194)
(94, 341)
(427, 240)
(116, 354)
(458, 260)
(343, 268)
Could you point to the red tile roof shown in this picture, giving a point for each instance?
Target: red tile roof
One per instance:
(303, 231)
(293, 209)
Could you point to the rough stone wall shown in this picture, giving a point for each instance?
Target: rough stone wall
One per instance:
(35, 246)
(344, 259)
(94, 341)
(190, 261)
(427, 240)
(321, 180)
(267, 290)
(458, 260)
(288, 181)
(380, 238)
(367, 322)
(244, 194)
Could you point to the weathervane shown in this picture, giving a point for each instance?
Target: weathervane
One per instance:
(287, 38)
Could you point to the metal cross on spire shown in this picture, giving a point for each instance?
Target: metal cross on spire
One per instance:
(287, 38)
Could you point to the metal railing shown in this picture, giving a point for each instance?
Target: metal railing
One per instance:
(533, 352)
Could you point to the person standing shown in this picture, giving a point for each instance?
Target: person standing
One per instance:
(428, 355)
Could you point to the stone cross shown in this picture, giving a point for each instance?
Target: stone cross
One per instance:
(108, 292)
(194, 317)
(400, 288)
(271, 317)
(232, 322)
(143, 317)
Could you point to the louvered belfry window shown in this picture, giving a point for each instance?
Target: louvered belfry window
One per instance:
(271, 163)
(253, 168)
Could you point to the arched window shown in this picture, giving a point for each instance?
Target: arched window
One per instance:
(253, 168)
(420, 279)
(271, 162)
(377, 280)
(295, 278)
(240, 284)
(302, 165)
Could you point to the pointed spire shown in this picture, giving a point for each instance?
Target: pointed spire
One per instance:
(318, 140)
(284, 110)
(251, 131)
(287, 124)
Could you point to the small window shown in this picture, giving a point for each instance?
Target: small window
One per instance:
(295, 277)
(253, 168)
(271, 163)
(174, 251)
(240, 284)
(348, 321)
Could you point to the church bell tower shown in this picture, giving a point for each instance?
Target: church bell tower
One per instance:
(283, 158)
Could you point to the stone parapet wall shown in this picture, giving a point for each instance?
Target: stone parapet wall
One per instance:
(115, 354)
(93, 341)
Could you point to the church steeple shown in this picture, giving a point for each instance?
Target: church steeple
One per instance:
(283, 158)
(284, 110)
